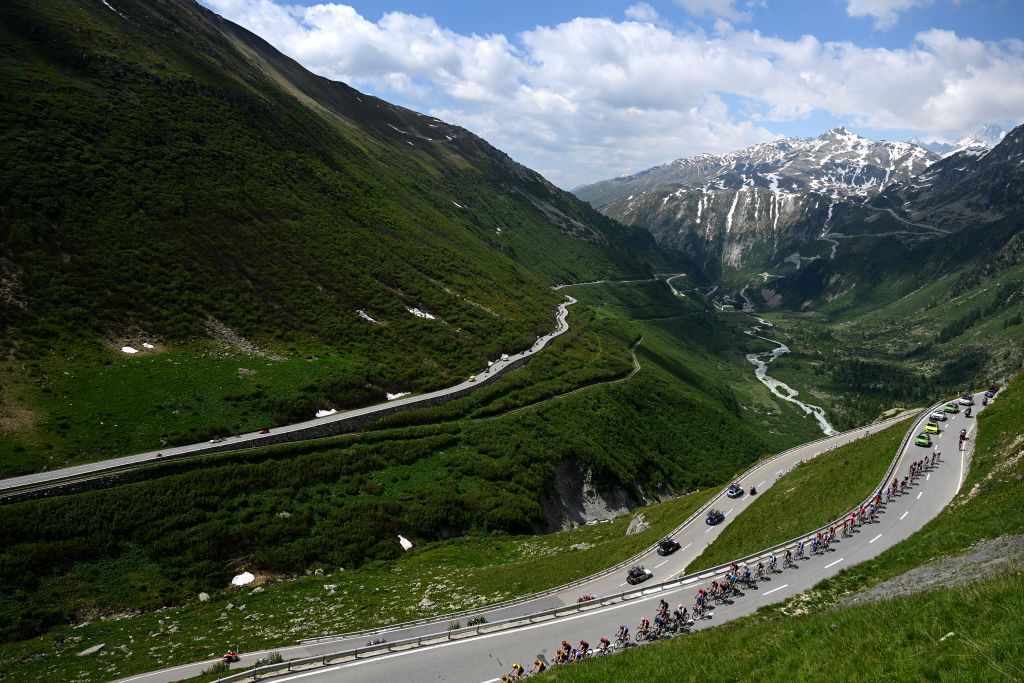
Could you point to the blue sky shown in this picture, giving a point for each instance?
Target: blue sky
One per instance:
(826, 19)
(587, 90)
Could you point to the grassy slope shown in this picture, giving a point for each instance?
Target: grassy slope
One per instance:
(893, 640)
(812, 494)
(455, 574)
(169, 168)
(892, 354)
(466, 467)
(987, 646)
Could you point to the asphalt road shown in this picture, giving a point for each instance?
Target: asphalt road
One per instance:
(693, 539)
(487, 657)
(253, 439)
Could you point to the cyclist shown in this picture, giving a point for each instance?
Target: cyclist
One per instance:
(539, 666)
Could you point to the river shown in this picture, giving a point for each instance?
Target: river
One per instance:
(760, 362)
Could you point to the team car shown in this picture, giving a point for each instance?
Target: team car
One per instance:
(714, 517)
(638, 574)
(667, 546)
(923, 439)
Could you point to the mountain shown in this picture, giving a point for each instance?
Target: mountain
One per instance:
(744, 209)
(984, 139)
(170, 177)
(963, 216)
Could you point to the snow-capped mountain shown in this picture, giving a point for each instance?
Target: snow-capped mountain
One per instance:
(984, 139)
(722, 209)
(836, 163)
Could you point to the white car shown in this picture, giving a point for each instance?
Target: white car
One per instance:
(938, 416)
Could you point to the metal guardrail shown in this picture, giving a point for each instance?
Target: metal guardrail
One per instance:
(355, 653)
(587, 579)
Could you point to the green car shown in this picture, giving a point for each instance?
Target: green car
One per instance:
(952, 408)
(923, 439)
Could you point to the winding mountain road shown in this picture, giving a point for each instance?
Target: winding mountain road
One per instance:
(284, 434)
(487, 657)
(693, 538)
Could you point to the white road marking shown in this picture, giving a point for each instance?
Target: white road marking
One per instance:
(661, 563)
(449, 643)
(904, 515)
(785, 585)
(875, 538)
(919, 494)
(833, 563)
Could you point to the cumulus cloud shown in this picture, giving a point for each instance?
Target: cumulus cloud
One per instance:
(642, 12)
(591, 98)
(885, 12)
(720, 8)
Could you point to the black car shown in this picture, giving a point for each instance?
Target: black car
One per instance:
(638, 574)
(714, 517)
(667, 546)
(735, 491)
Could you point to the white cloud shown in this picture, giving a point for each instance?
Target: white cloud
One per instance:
(596, 98)
(642, 12)
(721, 8)
(885, 12)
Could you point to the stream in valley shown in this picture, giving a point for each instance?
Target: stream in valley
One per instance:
(760, 362)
